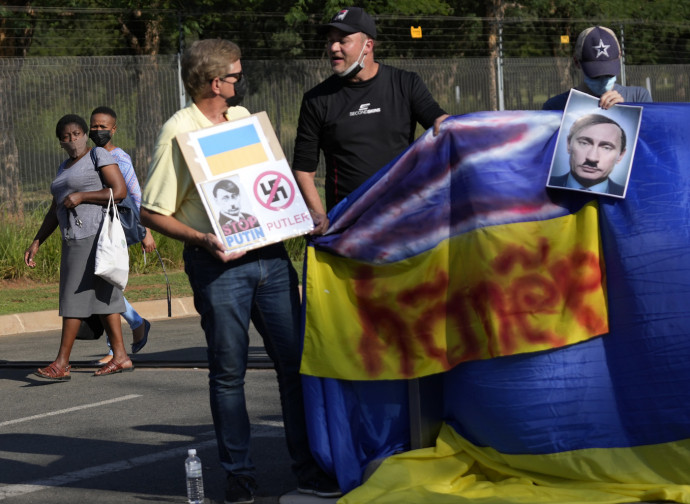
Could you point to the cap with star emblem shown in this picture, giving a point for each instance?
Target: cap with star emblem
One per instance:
(598, 52)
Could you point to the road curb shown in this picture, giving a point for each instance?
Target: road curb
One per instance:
(49, 320)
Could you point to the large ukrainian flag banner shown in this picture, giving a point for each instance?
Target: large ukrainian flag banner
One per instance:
(497, 290)
(559, 322)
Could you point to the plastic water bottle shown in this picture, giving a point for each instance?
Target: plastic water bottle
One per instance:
(195, 481)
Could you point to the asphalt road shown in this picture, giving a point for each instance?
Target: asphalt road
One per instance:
(124, 438)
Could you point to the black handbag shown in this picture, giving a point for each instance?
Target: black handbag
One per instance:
(91, 328)
(129, 215)
(131, 223)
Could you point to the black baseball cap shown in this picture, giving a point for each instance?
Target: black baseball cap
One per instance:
(351, 20)
(598, 52)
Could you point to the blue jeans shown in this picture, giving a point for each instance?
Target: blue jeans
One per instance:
(131, 316)
(261, 286)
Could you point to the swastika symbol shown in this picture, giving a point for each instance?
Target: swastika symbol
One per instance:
(274, 190)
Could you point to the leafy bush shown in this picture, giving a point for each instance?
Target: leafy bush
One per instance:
(17, 233)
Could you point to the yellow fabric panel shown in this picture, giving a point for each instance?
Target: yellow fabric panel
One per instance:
(494, 291)
(456, 471)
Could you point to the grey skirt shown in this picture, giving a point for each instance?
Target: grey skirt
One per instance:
(81, 292)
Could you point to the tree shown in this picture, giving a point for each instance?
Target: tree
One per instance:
(496, 10)
(16, 31)
(142, 31)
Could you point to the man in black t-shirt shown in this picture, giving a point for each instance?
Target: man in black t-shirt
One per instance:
(362, 117)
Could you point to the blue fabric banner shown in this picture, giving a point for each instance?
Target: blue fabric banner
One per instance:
(626, 388)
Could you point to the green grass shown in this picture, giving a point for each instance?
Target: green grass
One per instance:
(23, 296)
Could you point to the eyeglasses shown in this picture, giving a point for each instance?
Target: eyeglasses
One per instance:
(237, 76)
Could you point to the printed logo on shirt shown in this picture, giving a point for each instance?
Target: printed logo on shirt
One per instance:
(364, 109)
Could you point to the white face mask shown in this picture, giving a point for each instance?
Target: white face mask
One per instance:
(356, 67)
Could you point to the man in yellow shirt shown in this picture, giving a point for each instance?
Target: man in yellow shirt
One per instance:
(231, 289)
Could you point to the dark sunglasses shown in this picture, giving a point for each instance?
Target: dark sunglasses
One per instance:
(237, 76)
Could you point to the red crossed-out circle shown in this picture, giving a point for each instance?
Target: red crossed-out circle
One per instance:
(279, 180)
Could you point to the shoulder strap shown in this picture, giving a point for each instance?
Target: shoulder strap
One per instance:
(92, 152)
(62, 165)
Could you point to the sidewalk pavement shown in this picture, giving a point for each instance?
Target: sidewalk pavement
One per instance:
(50, 320)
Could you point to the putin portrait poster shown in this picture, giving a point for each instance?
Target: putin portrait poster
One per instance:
(595, 147)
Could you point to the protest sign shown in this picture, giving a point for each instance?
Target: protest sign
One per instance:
(245, 183)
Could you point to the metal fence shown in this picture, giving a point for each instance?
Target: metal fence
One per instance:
(145, 91)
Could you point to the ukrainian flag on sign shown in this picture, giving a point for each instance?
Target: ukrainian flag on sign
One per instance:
(232, 149)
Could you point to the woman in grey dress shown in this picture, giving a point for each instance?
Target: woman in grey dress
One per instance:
(78, 208)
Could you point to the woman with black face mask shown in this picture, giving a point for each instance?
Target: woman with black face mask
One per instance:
(77, 209)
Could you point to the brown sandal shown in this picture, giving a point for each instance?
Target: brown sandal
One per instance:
(53, 372)
(112, 367)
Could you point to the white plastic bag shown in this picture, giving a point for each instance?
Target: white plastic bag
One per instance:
(112, 258)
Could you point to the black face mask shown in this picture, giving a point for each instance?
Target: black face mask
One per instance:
(240, 91)
(100, 137)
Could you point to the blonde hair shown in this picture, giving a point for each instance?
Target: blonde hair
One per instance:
(205, 60)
